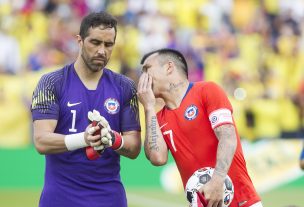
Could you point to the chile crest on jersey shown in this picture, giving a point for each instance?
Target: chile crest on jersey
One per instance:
(112, 105)
(191, 112)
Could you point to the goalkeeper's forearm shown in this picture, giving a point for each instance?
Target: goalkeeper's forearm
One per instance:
(49, 143)
(46, 141)
(131, 144)
(155, 146)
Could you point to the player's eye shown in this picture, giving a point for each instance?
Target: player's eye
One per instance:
(109, 44)
(95, 42)
(144, 68)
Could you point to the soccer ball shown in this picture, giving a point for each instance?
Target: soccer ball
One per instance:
(201, 177)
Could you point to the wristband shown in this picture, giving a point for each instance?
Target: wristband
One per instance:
(118, 141)
(75, 141)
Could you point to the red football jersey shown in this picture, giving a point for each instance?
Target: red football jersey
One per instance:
(188, 132)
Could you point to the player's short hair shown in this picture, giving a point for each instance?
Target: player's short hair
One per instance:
(167, 54)
(96, 19)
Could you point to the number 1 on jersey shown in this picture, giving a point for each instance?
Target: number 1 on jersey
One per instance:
(73, 121)
(171, 138)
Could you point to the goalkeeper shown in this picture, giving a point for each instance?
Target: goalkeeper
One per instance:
(82, 155)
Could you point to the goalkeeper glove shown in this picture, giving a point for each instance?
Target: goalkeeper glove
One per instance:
(109, 138)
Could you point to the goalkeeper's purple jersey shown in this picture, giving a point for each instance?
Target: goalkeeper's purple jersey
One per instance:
(70, 178)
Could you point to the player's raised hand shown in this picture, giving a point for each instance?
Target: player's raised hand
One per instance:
(213, 191)
(145, 92)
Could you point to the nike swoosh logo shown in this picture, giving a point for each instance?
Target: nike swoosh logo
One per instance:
(73, 104)
(163, 125)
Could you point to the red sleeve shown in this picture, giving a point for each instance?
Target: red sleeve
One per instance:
(214, 98)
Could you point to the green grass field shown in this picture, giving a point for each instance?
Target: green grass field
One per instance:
(289, 195)
(13, 195)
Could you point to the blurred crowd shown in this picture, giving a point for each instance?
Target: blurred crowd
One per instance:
(253, 48)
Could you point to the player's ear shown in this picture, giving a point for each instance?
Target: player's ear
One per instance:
(170, 67)
(79, 40)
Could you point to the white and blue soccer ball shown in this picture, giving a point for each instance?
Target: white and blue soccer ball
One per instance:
(201, 177)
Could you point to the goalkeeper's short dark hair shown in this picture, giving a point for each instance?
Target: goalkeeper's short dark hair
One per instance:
(96, 19)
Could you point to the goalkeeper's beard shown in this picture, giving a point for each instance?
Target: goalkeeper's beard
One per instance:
(89, 62)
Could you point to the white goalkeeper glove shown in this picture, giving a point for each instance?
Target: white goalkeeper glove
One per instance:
(109, 137)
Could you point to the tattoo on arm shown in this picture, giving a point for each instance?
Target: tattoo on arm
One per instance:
(226, 147)
(152, 139)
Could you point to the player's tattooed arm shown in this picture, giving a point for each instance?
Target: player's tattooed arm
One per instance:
(153, 136)
(227, 144)
(155, 147)
(213, 190)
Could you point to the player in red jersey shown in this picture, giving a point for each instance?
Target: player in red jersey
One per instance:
(196, 125)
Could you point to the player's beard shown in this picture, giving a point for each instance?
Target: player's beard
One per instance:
(89, 62)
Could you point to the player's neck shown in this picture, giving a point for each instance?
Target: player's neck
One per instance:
(88, 78)
(175, 93)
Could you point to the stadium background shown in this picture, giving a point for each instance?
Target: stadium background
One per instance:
(253, 48)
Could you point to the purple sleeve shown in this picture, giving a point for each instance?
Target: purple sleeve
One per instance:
(45, 97)
(130, 112)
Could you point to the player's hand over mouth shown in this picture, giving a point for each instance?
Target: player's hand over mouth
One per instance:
(144, 91)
